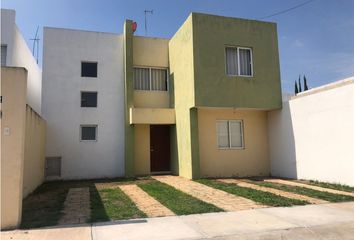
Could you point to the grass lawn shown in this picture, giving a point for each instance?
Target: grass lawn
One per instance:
(112, 204)
(334, 186)
(178, 202)
(307, 191)
(265, 198)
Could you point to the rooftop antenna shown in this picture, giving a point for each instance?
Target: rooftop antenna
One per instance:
(35, 44)
(146, 12)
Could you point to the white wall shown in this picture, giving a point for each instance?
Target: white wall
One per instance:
(19, 55)
(64, 50)
(312, 137)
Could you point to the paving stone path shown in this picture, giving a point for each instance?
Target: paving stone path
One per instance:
(221, 199)
(281, 181)
(76, 206)
(274, 191)
(149, 205)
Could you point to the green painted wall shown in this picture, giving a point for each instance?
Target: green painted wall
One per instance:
(182, 82)
(128, 94)
(213, 88)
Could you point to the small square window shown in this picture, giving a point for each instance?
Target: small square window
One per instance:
(230, 134)
(88, 99)
(88, 132)
(89, 69)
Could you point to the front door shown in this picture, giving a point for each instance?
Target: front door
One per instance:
(159, 148)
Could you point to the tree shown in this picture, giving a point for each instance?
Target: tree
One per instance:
(296, 89)
(299, 85)
(305, 84)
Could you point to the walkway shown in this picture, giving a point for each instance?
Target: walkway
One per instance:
(293, 183)
(76, 206)
(221, 199)
(274, 191)
(146, 203)
(310, 222)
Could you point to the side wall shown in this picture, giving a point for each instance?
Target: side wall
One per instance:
(13, 91)
(253, 160)
(64, 50)
(182, 82)
(19, 55)
(323, 130)
(34, 159)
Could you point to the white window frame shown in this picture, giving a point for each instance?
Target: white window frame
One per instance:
(150, 90)
(229, 134)
(238, 61)
(89, 125)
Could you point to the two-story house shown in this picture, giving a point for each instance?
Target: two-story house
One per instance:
(194, 105)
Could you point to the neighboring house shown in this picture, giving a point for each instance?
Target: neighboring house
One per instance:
(195, 105)
(15, 53)
(22, 128)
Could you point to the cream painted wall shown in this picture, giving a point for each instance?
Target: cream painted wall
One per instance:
(151, 99)
(251, 161)
(151, 52)
(152, 116)
(320, 131)
(142, 149)
(34, 158)
(19, 55)
(13, 91)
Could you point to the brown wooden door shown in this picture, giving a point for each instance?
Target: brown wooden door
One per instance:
(159, 148)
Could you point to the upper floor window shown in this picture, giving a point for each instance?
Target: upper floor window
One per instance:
(150, 79)
(229, 134)
(239, 61)
(88, 99)
(3, 55)
(88, 132)
(89, 69)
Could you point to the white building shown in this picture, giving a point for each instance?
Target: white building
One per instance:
(83, 103)
(15, 53)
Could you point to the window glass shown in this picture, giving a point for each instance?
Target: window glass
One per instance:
(245, 62)
(231, 61)
(235, 129)
(223, 136)
(3, 55)
(88, 69)
(88, 99)
(88, 133)
(141, 79)
(159, 79)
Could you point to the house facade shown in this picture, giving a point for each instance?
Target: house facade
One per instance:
(194, 105)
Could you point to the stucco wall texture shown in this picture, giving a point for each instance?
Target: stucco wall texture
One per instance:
(318, 141)
(253, 160)
(22, 146)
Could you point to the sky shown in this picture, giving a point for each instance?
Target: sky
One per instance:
(316, 40)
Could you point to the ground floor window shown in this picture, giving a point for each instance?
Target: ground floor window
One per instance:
(88, 132)
(230, 134)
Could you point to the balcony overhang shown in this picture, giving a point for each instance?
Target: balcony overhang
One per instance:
(152, 116)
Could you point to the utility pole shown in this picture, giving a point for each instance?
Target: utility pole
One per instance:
(35, 44)
(145, 13)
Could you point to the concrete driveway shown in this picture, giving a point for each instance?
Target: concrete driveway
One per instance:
(324, 221)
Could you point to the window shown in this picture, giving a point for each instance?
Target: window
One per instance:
(3, 55)
(229, 134)
(89, 69)
(88, 99)
(239, 61)
(88, 132)
(150, 79)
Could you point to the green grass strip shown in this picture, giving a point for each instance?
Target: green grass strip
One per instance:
(112, 204)
(177, 201)
(331, 197)
(334, 186)
(265, 198)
